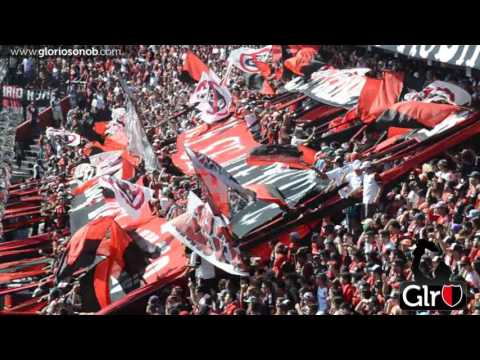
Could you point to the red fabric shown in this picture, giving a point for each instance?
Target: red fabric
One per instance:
(303, 58)
(119, 243)
(385, 144)
(223, 142)
(279, 73)
(263, 251)
(308, 154)
(396, 132)
(266, 160)
(343, 122)
(277, 264)
(101, 282)
(427, 114)
(230, 308)
(290, 103)
(95, 230)
(264, 68)
(267, 88)
(100, 127)
(172, 260)
(379, 95)
(276, 53)
(194, 66)
(347, 291)
(128, 166)
(170, 266)
(86, 185)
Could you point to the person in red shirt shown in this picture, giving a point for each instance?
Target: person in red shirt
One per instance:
(440, 214)
(348, 290)
(231, 304)
(475, 251)
(280, 258)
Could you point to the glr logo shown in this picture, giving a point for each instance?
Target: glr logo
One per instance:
(415, 296)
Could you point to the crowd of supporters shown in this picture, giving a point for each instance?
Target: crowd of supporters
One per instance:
(426, 227)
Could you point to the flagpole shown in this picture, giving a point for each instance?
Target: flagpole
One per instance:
(226, 78)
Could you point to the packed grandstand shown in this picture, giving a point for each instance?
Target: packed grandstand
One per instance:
(238, 180)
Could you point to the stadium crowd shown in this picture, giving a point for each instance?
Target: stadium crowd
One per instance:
(428, 226)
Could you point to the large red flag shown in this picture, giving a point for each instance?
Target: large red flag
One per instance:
(194, 66)
(379, 95)
(303, 58)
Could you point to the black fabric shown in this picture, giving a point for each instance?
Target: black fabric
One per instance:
(87, 293)
(396, 119)
(254, 81)
(240, 224)
(84, 260)
(341, 136)
(186, 78)
(309, 69)
(265, 150)
(292, 184)
(136, 259)
(86, 130)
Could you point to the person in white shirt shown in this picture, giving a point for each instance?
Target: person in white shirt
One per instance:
(354, 180)
(166, 201)
(252, 121)
(470, 275)
(322, 293)
(338, 176)
(371, 188)
(204, 271)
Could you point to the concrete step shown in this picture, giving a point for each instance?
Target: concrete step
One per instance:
(21, 168)
(32, 152)
(30, 158)
(22, 173)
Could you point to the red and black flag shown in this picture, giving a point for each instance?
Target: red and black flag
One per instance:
(379, 95)
(193, 67)
(414, 115)
(302, 59)
(268, 193)
(108, 254)
(217, 181)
